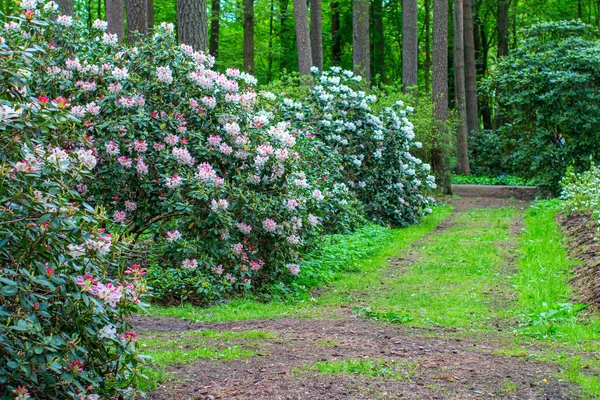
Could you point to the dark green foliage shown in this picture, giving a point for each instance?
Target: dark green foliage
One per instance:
(547, 94)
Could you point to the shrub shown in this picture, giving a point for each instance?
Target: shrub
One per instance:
(547, 95)
(63, 299)
(581, 192)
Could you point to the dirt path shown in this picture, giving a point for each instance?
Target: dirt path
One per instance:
(405, 362)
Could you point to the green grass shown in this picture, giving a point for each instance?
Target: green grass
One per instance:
(505, 180)
(342, 259)
(454, 282)
(388, 369)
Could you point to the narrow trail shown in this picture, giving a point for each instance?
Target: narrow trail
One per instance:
(452, 293)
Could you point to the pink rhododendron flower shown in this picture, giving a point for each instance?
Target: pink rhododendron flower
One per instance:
(173, 236)
(293, 268)
(269, 225)
(119, 216)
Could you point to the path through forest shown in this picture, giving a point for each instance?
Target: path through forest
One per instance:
(435, 324)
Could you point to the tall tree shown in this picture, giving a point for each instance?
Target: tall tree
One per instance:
(336, 42)
(378, 45)
(427, 43)
(215, 24)
(440, 158)
(66, 6)
(410, 44)
(302, 37)
(462, 133)
(286, 37)
(137, 19)
(361, 39)
(249, 36)
(192, 24)
(503, 26)
(150, 14)
(470, 69)
(115, 16)
(316, 33)
(270, 54)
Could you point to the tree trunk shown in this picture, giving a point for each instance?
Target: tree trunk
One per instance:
(66, 6)
(150, 14)
(410, 44)
(462, 134)
(378, 59)
(361, 40)
(440, 157)
(270, 55)
(316, 33)
(249, 36)
(115, 16)
(302, 37)
(215, 24)
(192, 24)
(427, 43)
(470, 69)
(137, 19)
(502, 24)
(285, 37)
(336, 43)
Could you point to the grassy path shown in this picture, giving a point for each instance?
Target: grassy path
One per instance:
(459, 307)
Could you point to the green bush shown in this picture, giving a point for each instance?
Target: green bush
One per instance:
(581, 192)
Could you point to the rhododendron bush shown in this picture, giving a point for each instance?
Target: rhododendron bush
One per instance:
(221, 186)
(63, 296)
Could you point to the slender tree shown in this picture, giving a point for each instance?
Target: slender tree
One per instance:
(503, 26)
(462, 134)
(410, 44)
(316, 33)
(215, 24)
(440, 158)
(115, 16)
(302, 37)
(270, 54)
(192, 24)
(361, 39)
(378, 40)
(150, 14)
(137, 19)
(470, 69)
(286, 37)
(336, 43)
(427, 44)
(249, 36)
(66, 6)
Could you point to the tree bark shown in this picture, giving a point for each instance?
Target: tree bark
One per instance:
(66, 6)
(502, 25)
(137, 19)
(316, 33)
(410, 44)
(249, 36)
(470, 69)
(302, 37)
(115, 16)
(440, 157)
(361, 39)
(336, 43)
(192, 24)
(462, 134)
(150, 14)
(427, 44)
(378, 56)
(285, 37)
(270, 55)
(215, 25)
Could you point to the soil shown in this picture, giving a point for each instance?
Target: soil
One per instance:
(583, 239)
(428, 363)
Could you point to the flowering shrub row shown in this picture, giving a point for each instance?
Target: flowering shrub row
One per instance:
(581, 192)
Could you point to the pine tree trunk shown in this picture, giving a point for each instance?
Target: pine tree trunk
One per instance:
(115, 16)
(192, 24)
(427, 44)
(502, 24)
(336, 43)
(302, 37)
(66, 6)
(249, 36)
(361, 39)
(150, 14)
(316, 33)
(440, 158)
(215, 24)
(137, 19)
(378, 56)
(462, 134)
(410, 44)
(470, 69)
